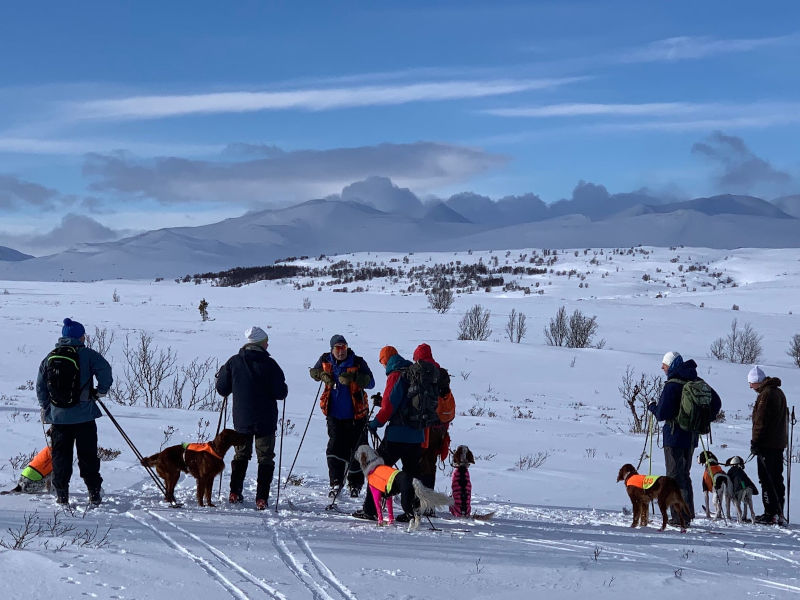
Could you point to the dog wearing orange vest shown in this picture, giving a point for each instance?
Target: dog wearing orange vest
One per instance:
(385, 482)
(203, 461)
(642, 489)
(716, 480)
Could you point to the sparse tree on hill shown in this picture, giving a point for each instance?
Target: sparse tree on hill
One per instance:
(474, 325)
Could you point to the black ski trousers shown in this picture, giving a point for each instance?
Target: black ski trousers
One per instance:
(84, 437)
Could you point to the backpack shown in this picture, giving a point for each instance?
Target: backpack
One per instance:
(446, 408)
(62, 373)
(694, 414)
(422, 396)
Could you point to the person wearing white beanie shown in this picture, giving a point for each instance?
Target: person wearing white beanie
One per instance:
(768, 441)
(257, 383)
(679, 444)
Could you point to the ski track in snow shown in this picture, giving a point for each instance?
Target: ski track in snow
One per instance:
(214, 573)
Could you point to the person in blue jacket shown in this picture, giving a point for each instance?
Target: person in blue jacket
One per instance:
(75, 425)
(679, 444)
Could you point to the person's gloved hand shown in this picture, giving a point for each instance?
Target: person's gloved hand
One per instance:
(326, 378)
(374, 424)
(377, 399)
(43, 414)
(102, 394)
(651, 407)
(347, 378)
(753, 448)
(315, 374)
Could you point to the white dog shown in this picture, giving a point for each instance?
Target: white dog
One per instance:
(385, 482)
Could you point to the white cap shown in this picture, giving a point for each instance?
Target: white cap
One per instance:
(756, 375)
(255, 334)
(668, 358)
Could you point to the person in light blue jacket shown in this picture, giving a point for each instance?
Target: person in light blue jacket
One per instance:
(74, 425)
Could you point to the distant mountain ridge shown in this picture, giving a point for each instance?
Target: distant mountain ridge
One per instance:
(464, 221)
(10, 254)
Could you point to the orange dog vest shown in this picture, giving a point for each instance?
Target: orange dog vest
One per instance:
(204, 447)
(644, 482)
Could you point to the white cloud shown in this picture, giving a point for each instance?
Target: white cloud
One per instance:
(688, 47)
(160, 106)
(593, 109)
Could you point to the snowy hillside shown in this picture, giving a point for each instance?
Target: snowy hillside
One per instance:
(329, 226)
(548, 427)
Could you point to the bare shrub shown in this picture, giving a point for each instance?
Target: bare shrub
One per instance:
(101, 340)
(193, 388)
(107, 454)
(637, 393)
(741, 345)
(556, 332)
(531, 461)
(440, 299)
(474, 325)
(147, 368)
(794, 349)
(306, 303)
(516, 326)
(115, 296)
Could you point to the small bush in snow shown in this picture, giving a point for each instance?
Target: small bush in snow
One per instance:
(203, 308)
(474, 325)
(306, 303)
(637, 392)
(531, 461)
(741, 346)
(107, 454)
(576, 331)
(115, 296)
(440, 299)
(516, 326)
(101, 340)
(794, 349)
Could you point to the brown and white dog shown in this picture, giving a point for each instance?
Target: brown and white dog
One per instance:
(716, 480)
(201, 461)
(642, 489)
(385, 482)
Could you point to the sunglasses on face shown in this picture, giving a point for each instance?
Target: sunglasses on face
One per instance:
(340, 347)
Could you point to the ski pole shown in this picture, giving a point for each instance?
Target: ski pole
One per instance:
(280, 456)
(763, 464)
(222, 409)
(313, 405)
(132, 446)
(792, 421)
(359, 439)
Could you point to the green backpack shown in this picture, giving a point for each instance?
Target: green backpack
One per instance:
(694, 414)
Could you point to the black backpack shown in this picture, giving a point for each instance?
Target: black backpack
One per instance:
(422, 396)
(63, 376)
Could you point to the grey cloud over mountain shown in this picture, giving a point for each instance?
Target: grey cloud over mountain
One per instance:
(73, 230)
(16, 193)
(740, 170)
(282, 177)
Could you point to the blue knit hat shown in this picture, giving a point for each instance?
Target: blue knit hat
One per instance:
(338, 339)
(72, 329)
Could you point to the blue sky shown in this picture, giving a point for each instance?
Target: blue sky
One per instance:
(124, 116)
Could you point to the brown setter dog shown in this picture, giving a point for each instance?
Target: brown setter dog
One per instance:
(664, 489)
(202, 461)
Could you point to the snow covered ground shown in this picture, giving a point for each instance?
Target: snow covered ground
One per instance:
(559, 530)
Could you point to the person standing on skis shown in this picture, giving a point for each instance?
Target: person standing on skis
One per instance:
(257, 383)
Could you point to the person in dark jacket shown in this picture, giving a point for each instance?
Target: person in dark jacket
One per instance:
(257, 383)
(437, 440)
(346, 408)
(768, 441)
(400, 442)
(75, 426)
(679, 444)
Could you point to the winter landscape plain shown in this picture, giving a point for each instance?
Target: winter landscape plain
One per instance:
(548, 426)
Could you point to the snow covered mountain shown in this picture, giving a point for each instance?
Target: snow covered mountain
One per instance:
(466, 221)
(10, 254)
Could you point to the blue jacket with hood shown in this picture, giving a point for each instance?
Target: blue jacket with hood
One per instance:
(92, 365)
(670, 401)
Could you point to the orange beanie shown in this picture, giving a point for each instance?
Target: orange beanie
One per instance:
(386, 353)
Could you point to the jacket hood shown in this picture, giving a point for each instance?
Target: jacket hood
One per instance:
(423, 352)
(69, 341)
(683, 370)
(396, 363)
(771, 382)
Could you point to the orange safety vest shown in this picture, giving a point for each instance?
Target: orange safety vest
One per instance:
(644, 482)
(202, 447)
(708, 483)
(382, 478)
(41, 466)
(359, 396)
